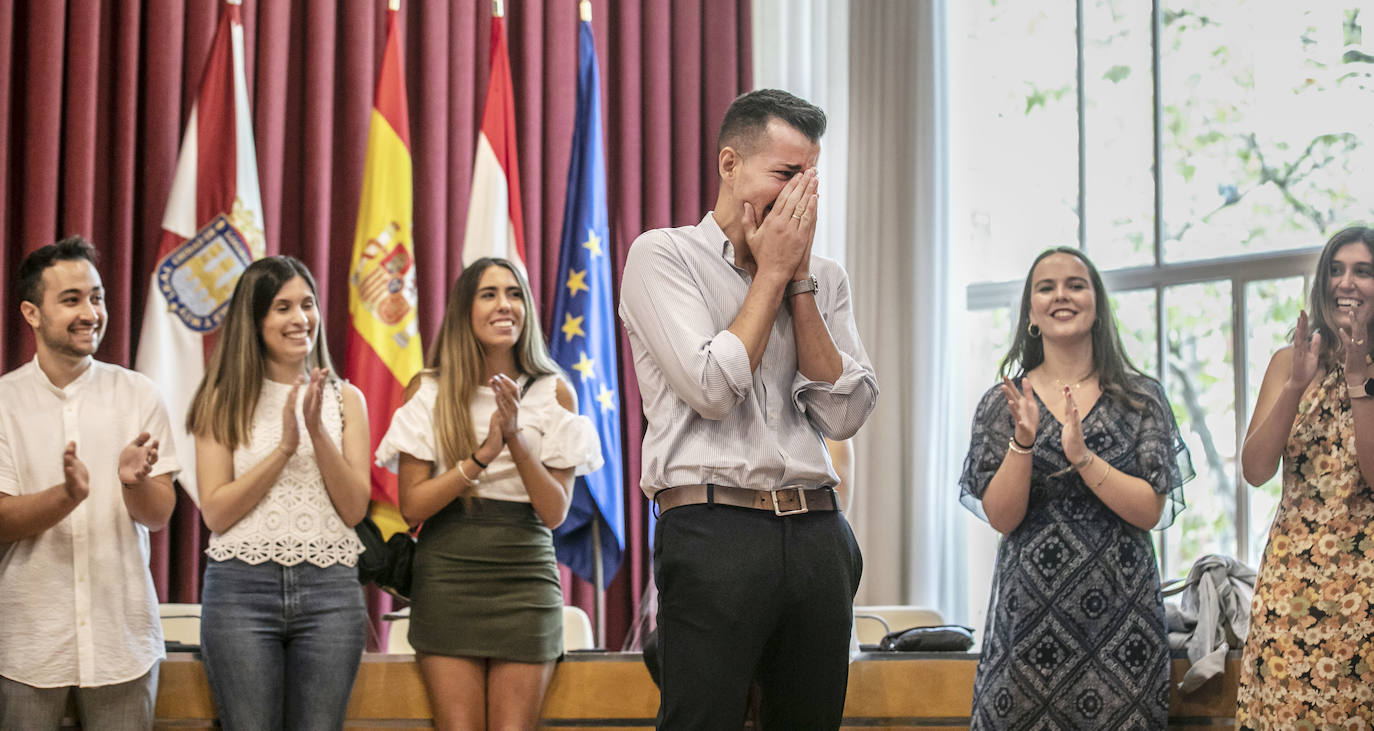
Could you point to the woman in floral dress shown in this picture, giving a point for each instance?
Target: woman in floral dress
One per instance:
(1073, 462)
(1309, 658)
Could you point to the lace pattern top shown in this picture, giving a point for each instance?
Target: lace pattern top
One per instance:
(295, 521)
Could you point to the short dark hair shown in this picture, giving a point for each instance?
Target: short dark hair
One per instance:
(31, 270)
(748, 115)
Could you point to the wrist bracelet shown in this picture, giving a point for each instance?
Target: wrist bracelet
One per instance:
(478, 462)
(1015, 447)
(1106, 471)
(1083, 463)
(1026, 447)
(284, 450)
(471, 481)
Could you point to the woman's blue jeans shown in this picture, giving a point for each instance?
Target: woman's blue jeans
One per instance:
(281, 644)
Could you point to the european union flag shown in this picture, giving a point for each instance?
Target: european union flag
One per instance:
(584, 337)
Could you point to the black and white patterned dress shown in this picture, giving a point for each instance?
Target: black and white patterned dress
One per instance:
(1075, 636)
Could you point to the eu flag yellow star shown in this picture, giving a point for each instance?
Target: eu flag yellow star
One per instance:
(586, 367)
(593, 243)
(606, 398)
(577, 280)
(572, 326)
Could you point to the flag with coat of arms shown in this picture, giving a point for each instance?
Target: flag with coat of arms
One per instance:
(383, 348)
(212, 228)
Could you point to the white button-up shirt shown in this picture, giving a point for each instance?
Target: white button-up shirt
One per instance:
(711, 419)
(77, 605)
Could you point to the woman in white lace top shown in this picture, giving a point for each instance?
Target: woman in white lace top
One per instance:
(282, 471)
(486, 451)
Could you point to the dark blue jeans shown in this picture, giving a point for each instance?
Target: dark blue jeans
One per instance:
(281, 644)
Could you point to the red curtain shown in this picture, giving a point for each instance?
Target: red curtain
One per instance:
(94, 96)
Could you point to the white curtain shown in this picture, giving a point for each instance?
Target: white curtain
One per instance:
(801, 46)
(878, 69)
(906, 509)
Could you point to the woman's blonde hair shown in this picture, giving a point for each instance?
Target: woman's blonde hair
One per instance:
(228, 392)
(457, 359)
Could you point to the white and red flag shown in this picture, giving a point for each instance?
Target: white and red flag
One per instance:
(211, 229)
(494, 226)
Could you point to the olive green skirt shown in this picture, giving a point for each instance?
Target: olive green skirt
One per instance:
(486, 584)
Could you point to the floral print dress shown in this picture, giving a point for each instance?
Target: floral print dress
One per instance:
(1309, 658)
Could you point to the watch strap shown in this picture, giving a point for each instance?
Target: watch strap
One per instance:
(802, 286)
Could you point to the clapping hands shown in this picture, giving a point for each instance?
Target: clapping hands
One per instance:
(137, 458)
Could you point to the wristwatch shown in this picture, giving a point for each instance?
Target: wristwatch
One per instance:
(802, 286)
(1358, 391)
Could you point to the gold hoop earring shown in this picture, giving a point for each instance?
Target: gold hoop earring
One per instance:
(1033, 330)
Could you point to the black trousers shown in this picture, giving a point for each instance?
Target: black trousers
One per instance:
(746, 594)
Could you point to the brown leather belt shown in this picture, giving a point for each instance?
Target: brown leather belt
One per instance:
(791, 500)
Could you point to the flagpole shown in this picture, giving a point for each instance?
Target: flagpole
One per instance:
(598, 596)
(393, 5)
(584, 8)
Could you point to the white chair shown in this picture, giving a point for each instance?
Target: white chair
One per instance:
(180, 623)
(872, 622)
(577, 631)
(398, 626)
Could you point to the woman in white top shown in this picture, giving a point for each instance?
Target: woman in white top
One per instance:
(281, 464)
(486, 452)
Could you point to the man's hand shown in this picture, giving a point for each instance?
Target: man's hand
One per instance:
(75, 479)
(781, 242)
(137, 458)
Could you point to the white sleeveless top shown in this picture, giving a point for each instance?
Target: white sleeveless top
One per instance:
(557, 437)
(295, 521)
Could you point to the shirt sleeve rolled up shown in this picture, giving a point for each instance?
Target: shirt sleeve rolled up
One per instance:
(664, 306)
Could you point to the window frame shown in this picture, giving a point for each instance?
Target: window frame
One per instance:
(1238, 270)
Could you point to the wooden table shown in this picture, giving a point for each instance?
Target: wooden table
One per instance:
(599, 690)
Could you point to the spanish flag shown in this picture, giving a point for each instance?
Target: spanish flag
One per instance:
(384, 351)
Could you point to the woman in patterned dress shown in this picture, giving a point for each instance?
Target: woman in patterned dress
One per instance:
(1309, 657)
(282, 471)
(1075, 456)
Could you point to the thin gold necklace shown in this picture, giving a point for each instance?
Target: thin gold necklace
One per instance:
(1075, 386)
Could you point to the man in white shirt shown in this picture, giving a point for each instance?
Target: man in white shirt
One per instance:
(747, 355)
(86, 466)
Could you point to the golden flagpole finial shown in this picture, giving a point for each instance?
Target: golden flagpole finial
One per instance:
(585, 7)
(498, 9)
(393, 5)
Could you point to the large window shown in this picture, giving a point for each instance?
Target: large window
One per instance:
(1200, 152)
